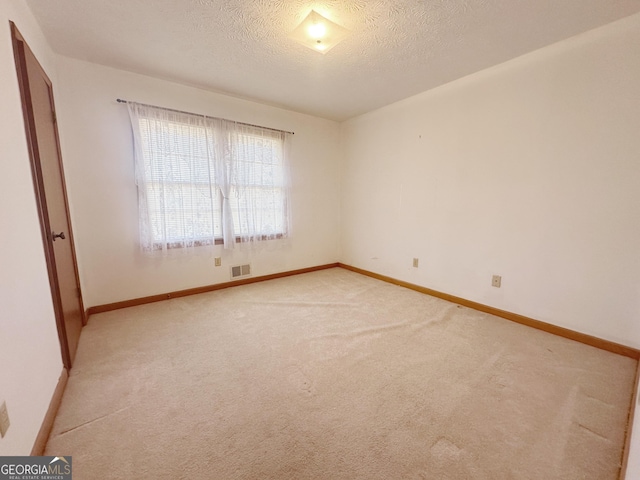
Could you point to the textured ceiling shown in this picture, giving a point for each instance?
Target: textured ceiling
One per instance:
(398, 47)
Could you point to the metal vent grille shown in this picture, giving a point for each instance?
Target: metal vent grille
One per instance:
(241, 271)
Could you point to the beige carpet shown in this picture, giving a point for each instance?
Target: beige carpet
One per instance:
(333, 375)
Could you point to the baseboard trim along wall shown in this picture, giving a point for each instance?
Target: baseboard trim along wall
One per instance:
(514, 317)
(607, 345)
(547, 327)
(208, 288)
(630, 420)
(47, 424)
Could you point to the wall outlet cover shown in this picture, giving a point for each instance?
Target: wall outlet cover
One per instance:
(496, 281)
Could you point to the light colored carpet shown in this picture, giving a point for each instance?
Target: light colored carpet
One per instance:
(333, 375)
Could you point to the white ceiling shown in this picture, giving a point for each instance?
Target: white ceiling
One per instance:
(398, 47)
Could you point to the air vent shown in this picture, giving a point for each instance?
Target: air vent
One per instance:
(241, 271)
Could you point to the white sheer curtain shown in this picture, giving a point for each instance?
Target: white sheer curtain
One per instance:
(203, 180)
(259, 184)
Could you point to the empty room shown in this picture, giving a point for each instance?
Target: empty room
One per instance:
(252, 239)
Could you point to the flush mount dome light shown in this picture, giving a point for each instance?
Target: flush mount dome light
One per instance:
(318, 33)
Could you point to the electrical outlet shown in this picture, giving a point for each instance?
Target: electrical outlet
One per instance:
(218, 261)
(4, 420)
(415, 263)
(496, 281)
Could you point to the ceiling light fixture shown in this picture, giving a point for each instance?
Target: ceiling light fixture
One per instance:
(318, 33)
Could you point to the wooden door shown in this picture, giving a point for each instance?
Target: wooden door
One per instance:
(48, 178)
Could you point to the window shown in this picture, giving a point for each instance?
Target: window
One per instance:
(203, 180)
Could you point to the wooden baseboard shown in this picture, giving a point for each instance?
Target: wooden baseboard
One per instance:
(632, 412)
(47, 424)
(530, 322)
(521, 319)
(208, 288)
(547, 327)
(514, 317)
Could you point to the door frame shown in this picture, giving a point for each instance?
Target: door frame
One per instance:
(19, 45)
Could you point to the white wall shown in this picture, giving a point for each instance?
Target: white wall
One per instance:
(30, 360)
(529, 170)
(96, 138)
